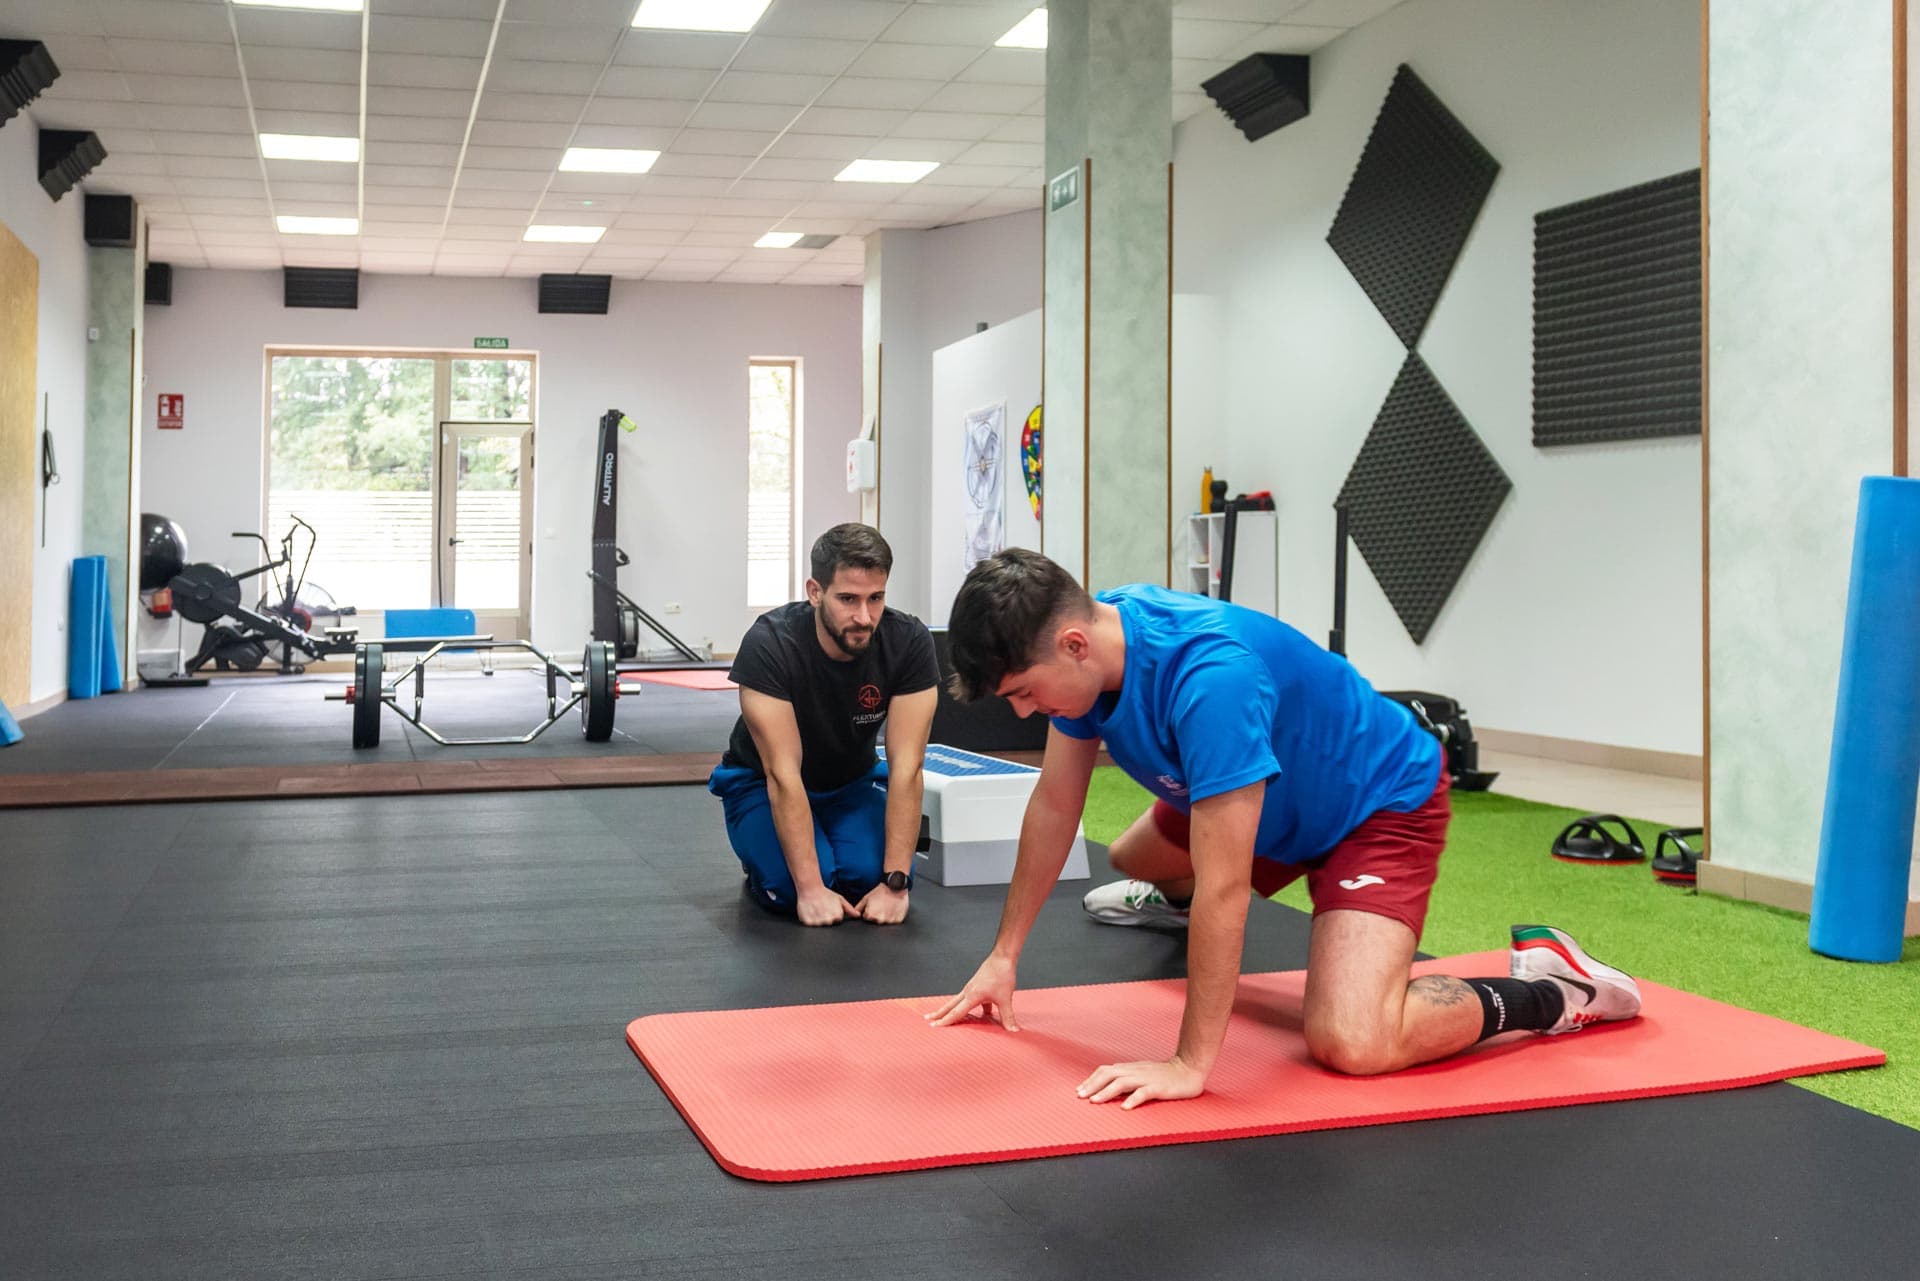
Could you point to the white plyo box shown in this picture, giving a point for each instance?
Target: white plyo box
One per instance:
(974, 805)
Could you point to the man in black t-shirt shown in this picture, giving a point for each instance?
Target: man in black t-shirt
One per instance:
(823, 827)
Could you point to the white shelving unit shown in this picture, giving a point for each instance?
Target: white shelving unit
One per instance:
(1256, 558)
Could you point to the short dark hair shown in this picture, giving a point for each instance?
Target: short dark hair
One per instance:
(849, 546)
(1009, 606)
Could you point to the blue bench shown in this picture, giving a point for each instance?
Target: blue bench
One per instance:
(406, 624)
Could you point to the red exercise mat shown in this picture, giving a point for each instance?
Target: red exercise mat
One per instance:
(820, 1091)
(703, 678)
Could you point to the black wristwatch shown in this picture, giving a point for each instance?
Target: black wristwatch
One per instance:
(895, 881)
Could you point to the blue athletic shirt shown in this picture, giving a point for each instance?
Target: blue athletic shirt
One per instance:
(1216, 696)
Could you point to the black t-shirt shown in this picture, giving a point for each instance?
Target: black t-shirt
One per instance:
(838, 706)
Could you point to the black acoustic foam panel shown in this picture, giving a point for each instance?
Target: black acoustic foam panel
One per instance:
(159, 284)
(1413, 199)
(1616, 315)
(67, 156)
(1420, 496)
(571, 295)
(26, 69)
(1262, 92)
(111, 222)
(337, 288)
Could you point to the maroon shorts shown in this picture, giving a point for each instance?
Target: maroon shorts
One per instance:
(1385, 866)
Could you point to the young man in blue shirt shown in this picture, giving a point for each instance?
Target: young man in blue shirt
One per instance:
(1269, 759)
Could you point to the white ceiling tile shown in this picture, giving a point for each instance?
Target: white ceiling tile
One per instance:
(838, 20)
(753, 274)
(1020, 129)
(309, 66)
(1236, 10)
(540, 108)
(222, 205)
(195, 91)
(395, 219)
(130, 142)
(398, 128)
(650, 112)
(520, 75)
(832, 212)
(612, 15)
(97, 116)
(687, 254)
(431, 200)
(1195, 38)
(326, 124)
(521, 181)
(803, 57)
(411, 153)
(737, 241)
(540, 159)
(966, 176)
(1019, 155)
(1189, 72)
(73, 51)
(1187, 105)
(1290, 38)
(848, 121)
(254, 190)
(291, 29)
(821, 146)
(522, 133)
(89, 86)
(912, 61)
(797, 168)
(467, 215)
(212, 167)
(489, 235)
(543, 43)
(731, 223)
(448, 266)
(942, 150)
(982, 96)
(440, 176)
(1008, 66)
(164, 19)
(408, 264)
(767, 87)
(694, 142)
(195, 119)
(751, 116)
(964, 125)
(441, 8)
(751, 188)
(131, 165)
(448, 37)
(304, 95)
(682, 275)
(856, 91)
(298, 251)
(677, 49)
(387, 100)
(686, 185)
(175, 57)
(655, 82)
(1340, 13)
(478, 197)
(423, 71)
(685, 165)
(397, 244)
(315, 193)
(978, 25)
(653, 223)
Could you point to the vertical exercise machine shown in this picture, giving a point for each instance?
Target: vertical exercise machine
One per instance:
(616, 618)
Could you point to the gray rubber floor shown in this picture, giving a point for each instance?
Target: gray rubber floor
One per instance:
(384, 1038)
(273, 720)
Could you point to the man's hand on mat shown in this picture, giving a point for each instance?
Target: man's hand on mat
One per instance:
(883, 906)
(1142, 1082)
(823, 907)
(989, 991)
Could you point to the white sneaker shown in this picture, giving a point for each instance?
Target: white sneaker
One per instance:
(1596, 993)
(1133, 903)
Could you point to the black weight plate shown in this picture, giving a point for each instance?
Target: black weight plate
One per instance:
(368, 680)
(596, 712)
(203, 593)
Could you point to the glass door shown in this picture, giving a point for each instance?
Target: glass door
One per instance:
(486, 518)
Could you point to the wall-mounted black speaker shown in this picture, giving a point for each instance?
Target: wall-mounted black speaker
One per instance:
(1262, 92)
(336, 287)
(569, 295)
(111, 222)
(67, 156)
(26, 69)
(159, 284)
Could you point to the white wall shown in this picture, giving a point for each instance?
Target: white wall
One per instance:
(53, 232)
(673, 356)
(936, 287)
(1578, 616)
(998, 367)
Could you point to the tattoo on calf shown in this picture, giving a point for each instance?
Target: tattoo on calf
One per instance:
(1438, 989)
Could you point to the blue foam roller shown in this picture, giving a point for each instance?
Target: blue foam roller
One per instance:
(1866, 838)
(109, 646)
(10, 732)
(86, 615)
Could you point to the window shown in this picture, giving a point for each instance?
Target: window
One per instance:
(773, 422)
(351, 449)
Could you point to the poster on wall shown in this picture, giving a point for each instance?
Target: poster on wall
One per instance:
(984, 511)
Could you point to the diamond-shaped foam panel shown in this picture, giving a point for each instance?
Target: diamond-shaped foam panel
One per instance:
(1616, 315)
(1414, 197)
(1420, 496)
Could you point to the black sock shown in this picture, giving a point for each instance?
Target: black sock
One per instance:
(1517, 1005)
(1182, 903)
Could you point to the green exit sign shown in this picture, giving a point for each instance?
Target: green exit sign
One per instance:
(493, 344)
(1063, 189)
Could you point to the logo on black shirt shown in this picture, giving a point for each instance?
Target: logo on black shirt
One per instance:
(868, 697)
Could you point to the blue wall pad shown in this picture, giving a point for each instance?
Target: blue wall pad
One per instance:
(1420, 496)
(1413, 199)
(1616, 315)
(1866, 839)
(9, 728)
(93, 660)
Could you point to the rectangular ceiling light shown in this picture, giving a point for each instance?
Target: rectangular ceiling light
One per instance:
(331, 6)
(778, 240)
(294, 225)
(308, 146)
(1028, 33)
(886, 171)
(699, 15)
(562, 235)
(607, 160)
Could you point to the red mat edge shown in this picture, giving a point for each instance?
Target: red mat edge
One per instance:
(1872, 1058)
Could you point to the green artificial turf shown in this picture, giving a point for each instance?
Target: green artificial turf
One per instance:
(1497, 872)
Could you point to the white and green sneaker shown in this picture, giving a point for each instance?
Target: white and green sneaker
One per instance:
(1595, 992)
(1133, 903)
